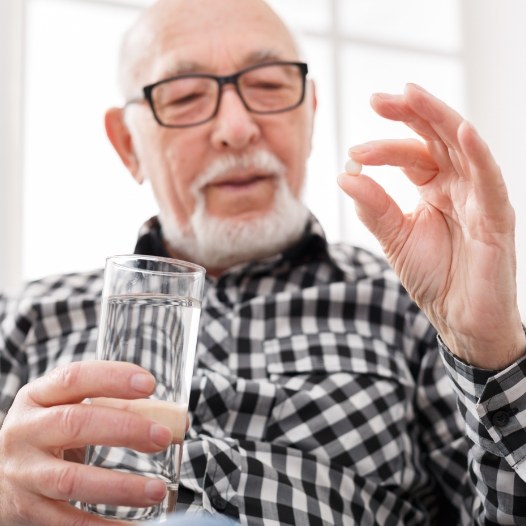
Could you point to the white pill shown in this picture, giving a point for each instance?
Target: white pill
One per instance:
(352, 167)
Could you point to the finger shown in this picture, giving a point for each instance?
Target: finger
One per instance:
(66, 481)
(71, 426)
(480, 157)
(375, 208)
(169, 414)
(79, 380)
(444, 120)
(409, 154)
(431, 124)
(490, 187)
(396, 108)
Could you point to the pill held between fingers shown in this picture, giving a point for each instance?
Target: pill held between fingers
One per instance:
(352, 167)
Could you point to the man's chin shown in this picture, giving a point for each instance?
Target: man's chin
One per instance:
(220, 243)
(223, 243)
(245, 217)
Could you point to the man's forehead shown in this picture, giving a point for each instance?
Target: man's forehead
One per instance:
(175, 38)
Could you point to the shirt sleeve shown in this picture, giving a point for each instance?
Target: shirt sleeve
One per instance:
(13, 370)
(46, 323)
(493, 405)
(12, 360)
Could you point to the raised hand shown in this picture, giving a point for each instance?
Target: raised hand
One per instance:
(48, 422)
(455, 253)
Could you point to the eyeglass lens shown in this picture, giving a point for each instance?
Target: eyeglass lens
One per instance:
(188, 100)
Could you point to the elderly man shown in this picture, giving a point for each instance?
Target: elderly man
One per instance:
(321, 391)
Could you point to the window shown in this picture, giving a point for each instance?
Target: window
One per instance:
(80, 204)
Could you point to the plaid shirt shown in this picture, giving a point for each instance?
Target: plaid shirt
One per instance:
(319, 395)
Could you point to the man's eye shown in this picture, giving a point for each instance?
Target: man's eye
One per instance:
(266, 86)
(189, 98)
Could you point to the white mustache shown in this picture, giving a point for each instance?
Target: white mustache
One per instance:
(260, 161)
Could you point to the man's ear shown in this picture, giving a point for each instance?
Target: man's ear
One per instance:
(120, 137)
(314, 99)
(313, 104)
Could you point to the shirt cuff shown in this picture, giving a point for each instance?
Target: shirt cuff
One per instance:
(493, 404)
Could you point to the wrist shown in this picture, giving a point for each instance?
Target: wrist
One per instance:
(492, 354)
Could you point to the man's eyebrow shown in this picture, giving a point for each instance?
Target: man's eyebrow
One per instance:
(262, 55)
(184, 67)
(255, 57)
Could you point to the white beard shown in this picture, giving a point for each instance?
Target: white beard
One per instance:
(220, 243)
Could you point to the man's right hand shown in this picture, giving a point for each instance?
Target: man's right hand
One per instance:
(48, 421)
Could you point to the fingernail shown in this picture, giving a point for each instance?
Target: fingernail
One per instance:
(415, 86)
(467, 124)
(341, 178)
(142, 382)
(160, 435)
(155, 489)
(359, 149)
(380, 95)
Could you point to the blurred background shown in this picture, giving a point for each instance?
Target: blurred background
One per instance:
(66, 202)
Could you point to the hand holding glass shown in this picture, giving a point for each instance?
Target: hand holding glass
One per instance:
(150, 317)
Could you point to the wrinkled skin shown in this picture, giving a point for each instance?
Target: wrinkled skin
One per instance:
(44, 434)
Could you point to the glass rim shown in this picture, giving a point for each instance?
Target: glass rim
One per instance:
(193, 269)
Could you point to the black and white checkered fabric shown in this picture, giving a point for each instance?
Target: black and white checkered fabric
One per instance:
(319, 395)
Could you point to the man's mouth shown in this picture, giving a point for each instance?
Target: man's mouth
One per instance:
(240, 181)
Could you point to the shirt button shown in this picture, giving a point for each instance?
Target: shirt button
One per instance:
(500, 418)
(218, 503)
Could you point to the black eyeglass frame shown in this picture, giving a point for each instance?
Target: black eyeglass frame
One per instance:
(222, 81)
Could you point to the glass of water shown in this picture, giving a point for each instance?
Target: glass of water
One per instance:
(150, 317)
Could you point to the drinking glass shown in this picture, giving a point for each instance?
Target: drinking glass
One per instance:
(149, 316)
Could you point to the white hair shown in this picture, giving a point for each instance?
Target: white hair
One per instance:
(222, 242)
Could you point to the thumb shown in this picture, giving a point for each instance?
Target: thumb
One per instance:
(375, 208)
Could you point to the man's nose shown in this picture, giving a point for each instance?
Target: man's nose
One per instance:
(234, 125)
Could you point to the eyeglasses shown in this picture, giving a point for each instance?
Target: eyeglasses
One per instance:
(192, 99)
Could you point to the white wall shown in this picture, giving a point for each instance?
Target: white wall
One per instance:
(495, 59)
